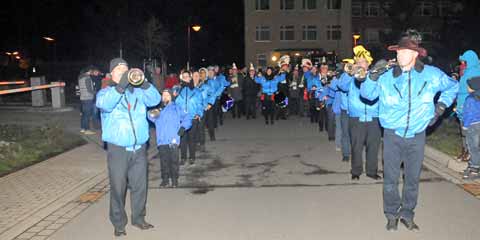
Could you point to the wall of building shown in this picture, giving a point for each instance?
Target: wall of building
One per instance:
(275, 17)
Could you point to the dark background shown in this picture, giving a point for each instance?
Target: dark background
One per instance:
(89, 31)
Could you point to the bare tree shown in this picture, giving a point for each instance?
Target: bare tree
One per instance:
(155, 38)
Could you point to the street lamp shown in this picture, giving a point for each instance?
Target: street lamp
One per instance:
(195, 28)
(356, 36)
(54, 42)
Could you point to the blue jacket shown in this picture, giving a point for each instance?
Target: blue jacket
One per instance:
(220, 85)
(269, 87)
(190, 101)
(472, 70)
(406, 98)
(472, 109)
(313, 80)
(208, 95)
(344, 94)
(167, 124)
(358, 107)
(116, 122)
(337, 98)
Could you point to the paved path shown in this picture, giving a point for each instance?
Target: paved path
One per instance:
(279, 182)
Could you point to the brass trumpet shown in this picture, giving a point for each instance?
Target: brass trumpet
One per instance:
(135, 76)
(355, 70)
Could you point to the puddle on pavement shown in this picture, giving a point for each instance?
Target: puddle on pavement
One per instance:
(318, 170)
(201, 190)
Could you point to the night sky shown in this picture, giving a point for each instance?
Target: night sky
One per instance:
(88, 30)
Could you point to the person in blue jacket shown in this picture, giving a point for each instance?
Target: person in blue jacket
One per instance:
(326, 118)
(125, 130)
(269, 84)
(470, 58)
(208, 103)
(190, 100)
(336, 109)
(406, 108)
(365, 131)
(314, 85)
(344, 120)
(171, 122)
(222, 84)
(471, 125)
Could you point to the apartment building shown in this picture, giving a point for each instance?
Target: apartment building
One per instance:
(296, 27)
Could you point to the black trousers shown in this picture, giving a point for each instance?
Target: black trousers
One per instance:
(268, 108)
(293, 106)
(127, 169)
(210, 123)
(330, 123)
(200, 136)
(368, 135)
(250, 106)
(322, 118)
(169, 166)
(314, 112)
(237, 109)
(218, 113)
(189, 141)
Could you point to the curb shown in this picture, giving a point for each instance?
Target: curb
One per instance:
(445, 166)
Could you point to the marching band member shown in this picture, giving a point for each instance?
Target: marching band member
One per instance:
(171, 122)
(269, 84)
(250, 90)
(235, 91)
(125, 129)
(365, 130)
(406, 98)
(190, 100)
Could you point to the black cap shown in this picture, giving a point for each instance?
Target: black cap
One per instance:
(117, 61)
(474, 83)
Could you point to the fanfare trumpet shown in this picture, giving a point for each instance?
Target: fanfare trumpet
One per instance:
(135, 76)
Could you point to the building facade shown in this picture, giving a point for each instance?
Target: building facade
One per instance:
(296, 27)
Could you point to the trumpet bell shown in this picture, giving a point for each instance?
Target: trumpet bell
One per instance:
(136, 76)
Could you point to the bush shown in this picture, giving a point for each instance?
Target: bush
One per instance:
(22, 146)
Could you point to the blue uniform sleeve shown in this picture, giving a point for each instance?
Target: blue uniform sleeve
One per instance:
(344, 82)
(370, 89)
(260, 80)
(279, 78)
(448, 88)
(107, 99)
(151, 96)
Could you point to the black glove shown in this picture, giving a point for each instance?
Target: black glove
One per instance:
(181, 132)
(439, 110)
(123, 84)
(145, 84)
(378, 69)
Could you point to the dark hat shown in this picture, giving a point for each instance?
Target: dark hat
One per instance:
(116, 62)
(474, 83)
(411, 39)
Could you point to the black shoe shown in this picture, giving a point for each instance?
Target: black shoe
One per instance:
(345, 159)
(410, 225)
(164, 183)
(355, 177)
(183, 161)
(266, 122)
(119, 232)
(331, 139)
(374, 177)
(143, 226)
(191, 161)
(392, 224)
(174, 183)
(321, 129)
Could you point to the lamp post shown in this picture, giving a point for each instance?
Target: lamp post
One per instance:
(356, 36)
(54, 42)
(195, 28)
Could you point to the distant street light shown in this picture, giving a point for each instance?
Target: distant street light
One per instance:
(355, 39)
(274, 58)
(195, 28)
(49, 39)
(17, 57)
(54, 42)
